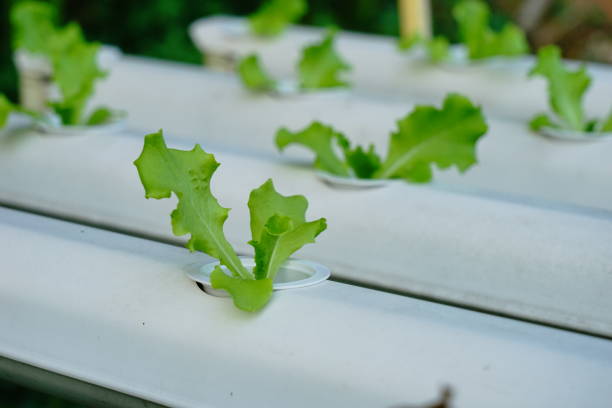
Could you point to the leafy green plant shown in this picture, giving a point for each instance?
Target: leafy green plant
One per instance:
(273, 17)
(482, 41)
(73, 60)
(437, 48)
(253, 75)
(278, 224)
(319, 67)
(566, 91)
(6, 108)
(427, 136)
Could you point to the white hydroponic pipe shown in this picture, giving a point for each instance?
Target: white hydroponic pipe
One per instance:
(380, 69)
(119, 312)
(212, 108)
(512, 258)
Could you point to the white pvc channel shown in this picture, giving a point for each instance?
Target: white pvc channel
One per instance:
(380, 70)
(119, 312)
(212, 108)
(506, 257)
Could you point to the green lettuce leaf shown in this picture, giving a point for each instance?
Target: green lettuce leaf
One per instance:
(253, 76)
(444, 137)
(606, 125)
(278, 224)
(73, 60)
(540, 121)
(565, 88)
(437, 47)
(249, 295)
(322, 140)
(163, 171)
(320, 65)
(411, 41)
(99, 116)
(33, 25)
(278, 228)
(472, 17)
(75, 71)
(274, 16)
(6, 108)
(364, 163)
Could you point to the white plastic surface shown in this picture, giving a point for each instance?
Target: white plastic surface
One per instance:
(379, 69)
(576, 136)
(533, 262)
(352, 183)
(213, 109)
(119, 312)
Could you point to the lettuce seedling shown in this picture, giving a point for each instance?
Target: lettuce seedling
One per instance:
(73, 59)
(319, 67)
(473, 17)
(278, 224)
(566, 91)
(427, 136)
(253, 75)
(273, 17)
(6, 108)
(437, 48)
(33, 25)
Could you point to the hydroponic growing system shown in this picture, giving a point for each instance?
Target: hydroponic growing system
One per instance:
(402, 222)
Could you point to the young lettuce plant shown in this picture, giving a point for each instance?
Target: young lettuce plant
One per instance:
(566, 91)
(473, 17)
(278, 223)
(319, 67)
(437, 48)
(427, 136)
(273, 16)
(73, 60)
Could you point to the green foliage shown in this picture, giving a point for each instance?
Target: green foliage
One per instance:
(75, 71)
(566, 88)
(73, 60)
(321, 66)
(99, 116)
(187, 174)
(606, 125)
(323, 141)
(278, 223)
(249, 295)
(253, 75)
(473, 19)
(445, 137)
(539, 121)
(437, 47)
(278, 228)
(6, 108)
(427, 136)
(274, 16)
(33, 25)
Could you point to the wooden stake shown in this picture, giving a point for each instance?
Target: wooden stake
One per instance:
(415, 18)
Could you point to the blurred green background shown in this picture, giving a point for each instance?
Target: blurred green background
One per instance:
(158, 28)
